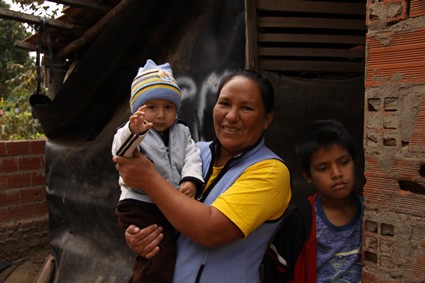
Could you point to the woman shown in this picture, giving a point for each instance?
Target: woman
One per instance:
(225, 234)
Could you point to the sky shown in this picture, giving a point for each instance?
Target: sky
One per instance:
(17, 7)
(50, 6)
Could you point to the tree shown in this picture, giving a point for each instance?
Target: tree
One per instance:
(17, 82)
(12, 60)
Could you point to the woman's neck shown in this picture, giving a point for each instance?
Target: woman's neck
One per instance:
(222, 157)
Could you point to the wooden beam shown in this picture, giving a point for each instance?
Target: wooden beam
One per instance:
(84, 4)
(25, 45)
(312, 66)
(312, 7)
(251, 35)
(313, 23)
(312, 52)
(313, 38)
(31, 19)
(91, 33)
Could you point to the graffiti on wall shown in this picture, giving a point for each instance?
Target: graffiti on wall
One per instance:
(198, 99)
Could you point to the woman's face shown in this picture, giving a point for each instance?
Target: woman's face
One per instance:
(239, 115)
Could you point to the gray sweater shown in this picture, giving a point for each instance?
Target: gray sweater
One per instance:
(180, 161)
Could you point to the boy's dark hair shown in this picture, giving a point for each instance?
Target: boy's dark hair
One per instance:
(263, 83)
(322, 134)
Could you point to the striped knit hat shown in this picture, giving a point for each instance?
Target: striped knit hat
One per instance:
(154, 82)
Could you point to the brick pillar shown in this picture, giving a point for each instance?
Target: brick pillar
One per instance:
(23, 205)
(394, 142)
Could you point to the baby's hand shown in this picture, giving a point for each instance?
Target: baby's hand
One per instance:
(188, 188)
(138, 124)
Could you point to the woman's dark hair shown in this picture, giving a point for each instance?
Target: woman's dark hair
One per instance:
(322, 134)
(263, 84)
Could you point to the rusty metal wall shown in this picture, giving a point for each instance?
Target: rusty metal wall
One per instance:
(207, 38)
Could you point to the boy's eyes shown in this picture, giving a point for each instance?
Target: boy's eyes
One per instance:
(342, 162)
(321, 168)
(168, 107)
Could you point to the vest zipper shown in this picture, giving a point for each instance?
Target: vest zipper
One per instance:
(198, 276)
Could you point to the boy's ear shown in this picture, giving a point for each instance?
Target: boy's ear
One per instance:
(307, 177)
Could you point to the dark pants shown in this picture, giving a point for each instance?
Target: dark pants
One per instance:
(159, 269)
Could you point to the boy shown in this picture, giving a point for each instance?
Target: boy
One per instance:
(320, 239)
(153, 129)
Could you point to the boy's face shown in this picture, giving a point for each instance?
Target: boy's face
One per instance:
(162, 113)
(332, 172)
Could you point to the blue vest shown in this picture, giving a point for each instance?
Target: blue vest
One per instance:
(239, 260)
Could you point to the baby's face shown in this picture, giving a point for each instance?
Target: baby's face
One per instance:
(162, 113)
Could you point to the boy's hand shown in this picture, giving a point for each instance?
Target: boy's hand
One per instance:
(188, 188)
(138, 124)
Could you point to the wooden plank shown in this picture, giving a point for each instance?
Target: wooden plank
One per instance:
(311, 66)
(84, 4)
(314, 23)
(312, 52)
(25, 45)
(313, 38)
(31, 19)
(251, 35)
(312, 7)
(93, 31)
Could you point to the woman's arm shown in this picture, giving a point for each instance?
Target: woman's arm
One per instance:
(201, 223)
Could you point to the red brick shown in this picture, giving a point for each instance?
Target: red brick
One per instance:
(5, 215)
(19, 181)
(14, 197)
(8, 197)
(24, 211)
(8, 165)
(405, 169)
(38, 147)
(2, 149)
(32, 194)
(3, 182)
(368, 277)
(18, 148)
(402, 60)
(417, 140)
(383, 16)
(417, 8)
(38, 179)
(31, 163)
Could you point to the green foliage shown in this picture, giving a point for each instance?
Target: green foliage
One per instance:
(10, 31)
(17, 125)
(17, 82)
(16, 119)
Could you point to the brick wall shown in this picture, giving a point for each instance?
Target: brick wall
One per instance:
(23, 205)
(394, 142)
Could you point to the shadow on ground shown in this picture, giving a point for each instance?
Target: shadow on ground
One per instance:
(27, 270)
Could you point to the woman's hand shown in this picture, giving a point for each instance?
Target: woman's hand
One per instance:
(144, 241)
(135, 171)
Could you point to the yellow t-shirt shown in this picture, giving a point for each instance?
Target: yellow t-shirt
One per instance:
(261, 193)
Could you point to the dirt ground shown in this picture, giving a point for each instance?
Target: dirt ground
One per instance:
(28, 270)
